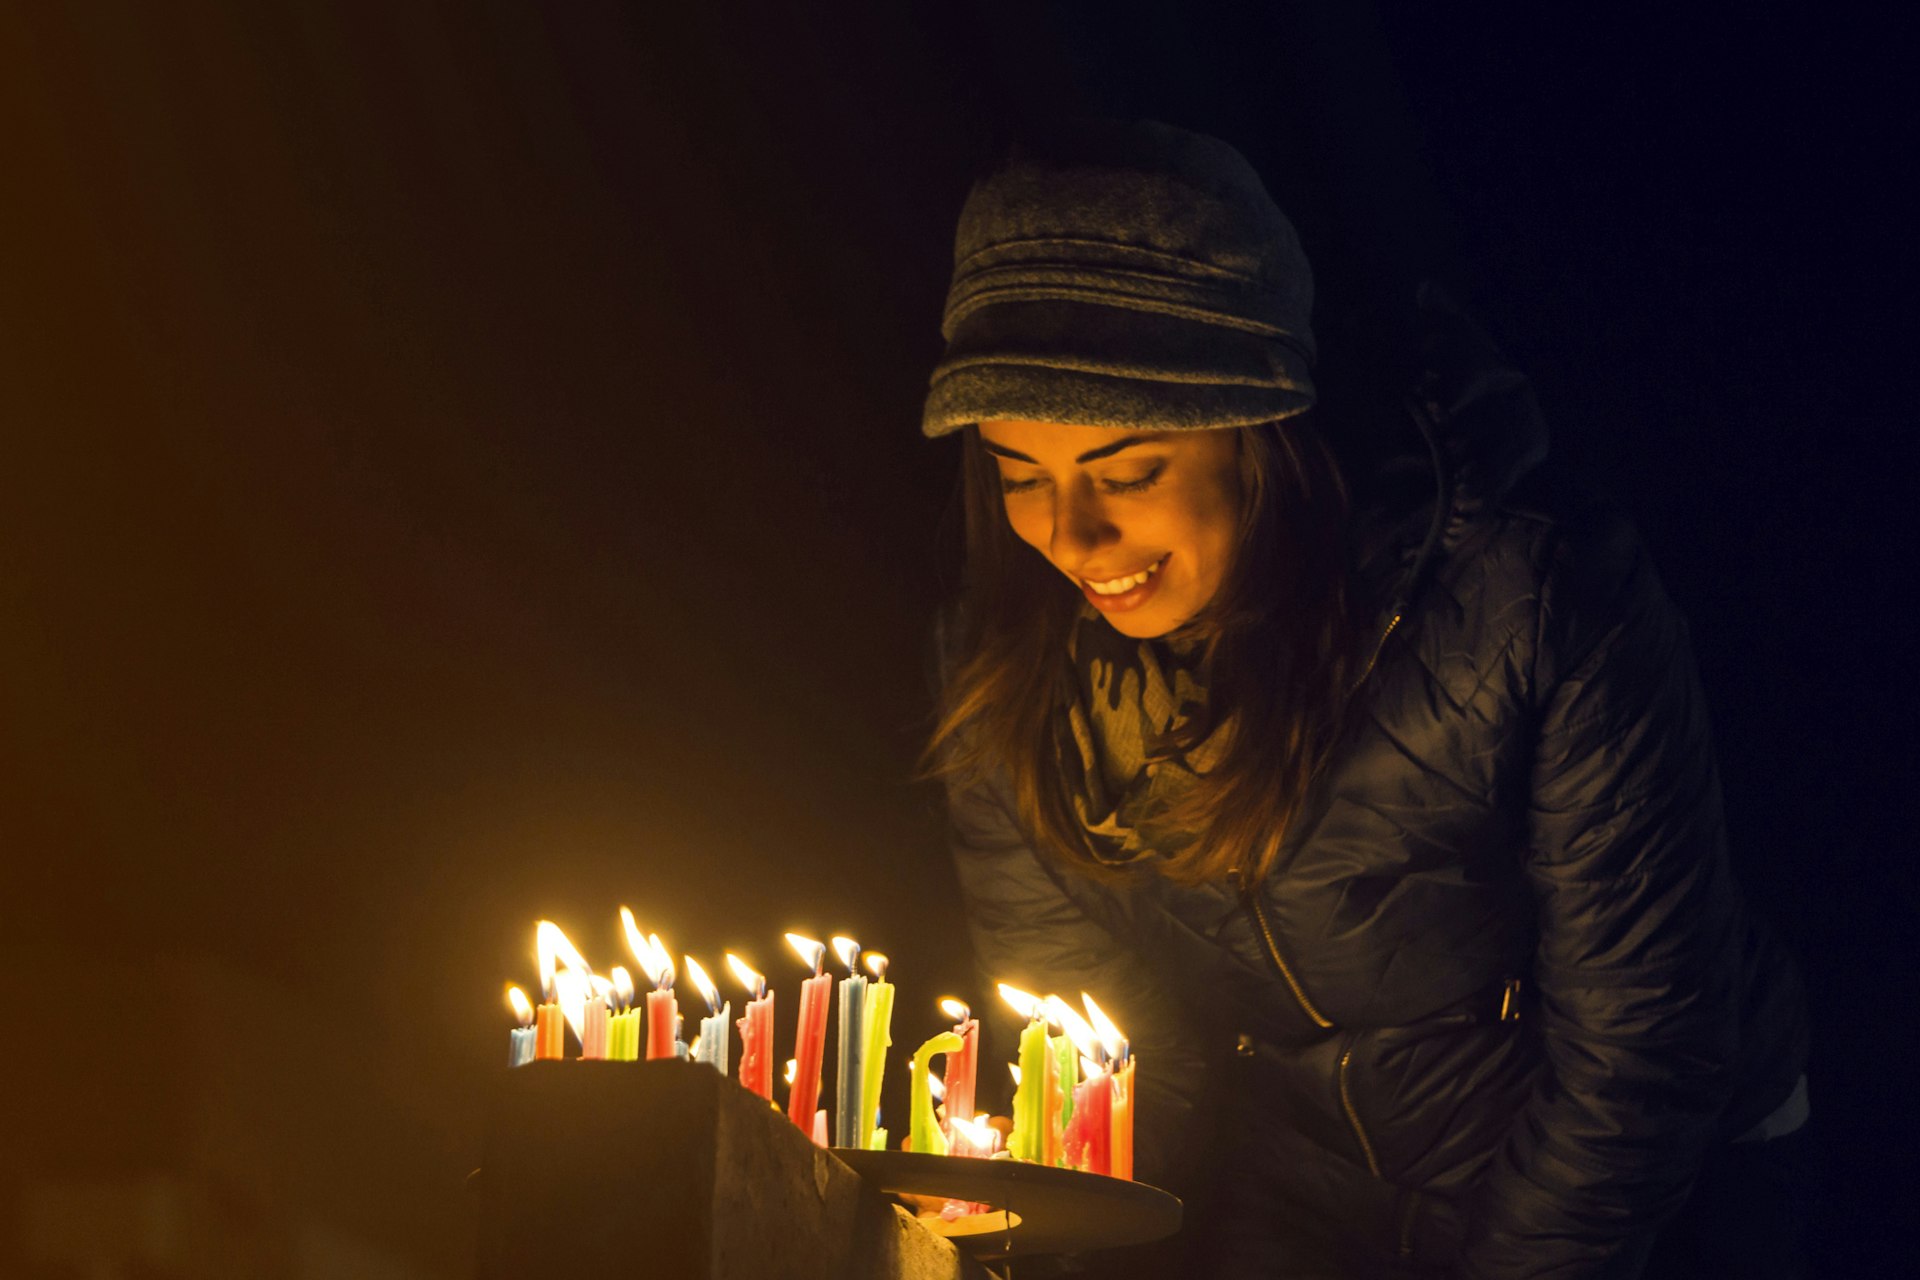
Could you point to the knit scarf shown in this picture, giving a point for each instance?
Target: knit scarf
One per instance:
(1126, 696)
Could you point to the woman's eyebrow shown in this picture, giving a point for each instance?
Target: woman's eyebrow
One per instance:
(1091, 455)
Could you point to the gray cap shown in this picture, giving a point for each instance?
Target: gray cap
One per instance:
(1126, 275)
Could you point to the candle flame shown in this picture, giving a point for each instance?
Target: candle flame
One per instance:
(755, 984)
(622, 987)
(1089, 1069)
(522, 1007)
(570, 989)
(977, 1134)
(637, 942)
(955, 1008)
(553, 950)
(937, 1087)
(877, 965)
(848, 950)
(662, 970)
(1110, 1038)
(700, 979)
(811, 953)
(793, 1069)
(1084, 1038)
(1013, 1069)
(1024, 1004)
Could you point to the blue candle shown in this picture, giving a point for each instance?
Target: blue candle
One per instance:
(853, 1021)
(713, 1043)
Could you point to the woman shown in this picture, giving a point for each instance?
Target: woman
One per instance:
(1376, 804)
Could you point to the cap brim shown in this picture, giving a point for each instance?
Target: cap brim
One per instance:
(1101, 366)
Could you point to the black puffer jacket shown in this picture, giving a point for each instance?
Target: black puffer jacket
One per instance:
(1500, 994)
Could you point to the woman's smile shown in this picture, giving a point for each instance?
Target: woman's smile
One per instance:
(1128, 591)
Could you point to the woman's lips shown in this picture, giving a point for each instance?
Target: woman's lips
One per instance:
(1144, 583)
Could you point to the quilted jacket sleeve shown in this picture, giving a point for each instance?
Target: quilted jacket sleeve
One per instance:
(1044, 930)
(1637, 962)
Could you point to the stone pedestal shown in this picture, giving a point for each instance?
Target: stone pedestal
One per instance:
(612, 1170)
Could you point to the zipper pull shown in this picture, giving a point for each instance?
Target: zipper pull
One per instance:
(1510, 1001)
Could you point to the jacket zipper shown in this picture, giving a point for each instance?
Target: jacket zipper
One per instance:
(1379, 647)
(1353, 1116)
(1273, 951)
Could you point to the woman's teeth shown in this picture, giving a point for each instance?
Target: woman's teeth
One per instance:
(1117, 585)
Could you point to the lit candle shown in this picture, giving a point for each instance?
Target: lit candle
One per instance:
(593, 1031)
(879, 1038)
(810, 1036)
(1120, 1059)
(963, 1066)
(848, 1080)
(756, 1029)
(713, 1027)
(623, 1030)
(1066, 1049)
(1030, 1094)
(553, 949)
(974, 1137)
(923, 1133)
(663, 1011)
(520, 1038)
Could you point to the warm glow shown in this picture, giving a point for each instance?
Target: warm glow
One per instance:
(937, 1086)
(848, 950)
(622, 987)
(744, 973)
(1110, 1037)
(636, 942)
(977, 1134)
(708, 992)
(1075, 1026)
(877, 966)
(955, 1009)
(1089, 1069)
(793, 1069)
(522, 1007)
(552, 948)
(811, 953)
(570, 989)
(661, 971)
(1013, 1069)
(1024, 1004)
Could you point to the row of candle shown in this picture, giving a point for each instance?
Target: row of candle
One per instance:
(1073, 1095)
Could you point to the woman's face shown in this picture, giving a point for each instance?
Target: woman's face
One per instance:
(1143, 522)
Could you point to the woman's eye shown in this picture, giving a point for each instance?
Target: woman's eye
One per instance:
(1135, 484)
(1012, 484)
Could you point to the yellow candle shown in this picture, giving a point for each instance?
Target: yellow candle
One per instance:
(925, 1133)
(873, 1053)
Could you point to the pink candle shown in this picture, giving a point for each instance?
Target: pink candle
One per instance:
(810, 1037)
(1089, 1143)
(963, 1064)
(756, 1030)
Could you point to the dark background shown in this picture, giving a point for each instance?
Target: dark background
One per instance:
(461, 466)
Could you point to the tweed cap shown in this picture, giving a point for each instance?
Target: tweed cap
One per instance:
(1124, 275)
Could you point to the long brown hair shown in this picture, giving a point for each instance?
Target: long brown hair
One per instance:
(1277, 657)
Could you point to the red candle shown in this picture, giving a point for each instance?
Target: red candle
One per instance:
(1089, 1144)
(756, 1030)
(963, 1064)
(663, 1019)
(810, 1038)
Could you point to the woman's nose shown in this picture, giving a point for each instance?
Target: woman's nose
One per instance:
(1080, 527)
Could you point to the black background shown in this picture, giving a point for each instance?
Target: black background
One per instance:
(461, 462)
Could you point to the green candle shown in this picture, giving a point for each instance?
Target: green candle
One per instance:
(1030, 1098)
(873, 1053)
(925, 1134)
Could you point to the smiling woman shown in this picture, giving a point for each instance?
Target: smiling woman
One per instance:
(1381, 801)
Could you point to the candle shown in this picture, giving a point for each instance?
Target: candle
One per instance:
(1089, 1138)
(623, 1031)
(848, 1080)
(663, 1011)
(923, 1133)
(552, 950)
(962, 1066)
(820, 1127)
(1077, 1038)
(1120, 1056)
(974, 1137)
(756, 1029)
(879, 1038)
(809, 1042)
(713, 1027)
(593, 1030)
(1030, 1094)
(520, 1039)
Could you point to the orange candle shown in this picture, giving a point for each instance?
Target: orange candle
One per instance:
(756, 1030)
(810, 1037)
(552, 950)
(1120, 1158)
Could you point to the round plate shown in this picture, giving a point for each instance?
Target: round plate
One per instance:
(1050, 1210)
